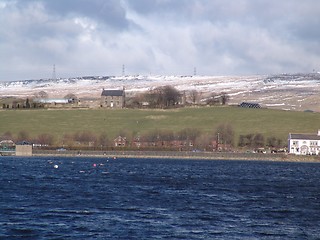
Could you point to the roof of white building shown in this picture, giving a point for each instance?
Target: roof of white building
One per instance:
(52, 100)
(303, 136)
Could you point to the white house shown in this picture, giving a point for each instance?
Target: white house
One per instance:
(304, 144)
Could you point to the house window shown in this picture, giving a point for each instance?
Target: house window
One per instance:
(295, 143)
(313, 143)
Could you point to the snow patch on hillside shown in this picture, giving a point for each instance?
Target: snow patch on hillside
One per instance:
(279, 91)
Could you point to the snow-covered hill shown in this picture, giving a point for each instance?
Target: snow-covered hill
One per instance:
(284, 91)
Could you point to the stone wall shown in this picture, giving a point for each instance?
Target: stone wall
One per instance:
(23, 150)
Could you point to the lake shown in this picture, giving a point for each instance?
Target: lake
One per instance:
(106, 198)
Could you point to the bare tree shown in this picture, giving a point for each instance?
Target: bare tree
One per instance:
(41, 94)
(194, 96)
(152, 98)
(166, 135)
(86, 137)
(171, 96)
(45, 139)
(23, 136)
(274, 142)
(103, 140)
(163, 97)
(189, 134)
(6, 136)
(258, 140)
(224, 98)
(251, 140)
(213, 99)
(67, 140)
(135, 101)
(152, 137)
(216, 99)
(72, 98)
(27, 103)
(246, 140)
(224, 134)
(203, 142)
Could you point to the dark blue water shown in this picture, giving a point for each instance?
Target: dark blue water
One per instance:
(155, 199)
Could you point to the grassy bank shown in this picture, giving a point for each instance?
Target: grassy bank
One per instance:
(244, 121)
(180, 155)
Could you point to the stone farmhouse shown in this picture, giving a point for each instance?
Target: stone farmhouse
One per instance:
(304, 144)
(113, 98)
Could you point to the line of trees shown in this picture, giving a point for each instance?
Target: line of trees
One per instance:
(168, 97)
(221, 139)
(160, 97)
(259, 141)
(218, 99)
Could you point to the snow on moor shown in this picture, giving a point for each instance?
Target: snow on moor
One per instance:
(282, 91)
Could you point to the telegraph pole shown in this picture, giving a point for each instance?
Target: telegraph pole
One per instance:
(123, 70)
(54, 77)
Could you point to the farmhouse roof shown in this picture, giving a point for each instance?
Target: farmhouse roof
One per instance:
(249, 105)
(119, 138)
(116, 93)
(303, 136)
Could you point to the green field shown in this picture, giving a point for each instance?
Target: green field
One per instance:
(130, 121)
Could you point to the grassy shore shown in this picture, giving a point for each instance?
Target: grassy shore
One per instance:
(180, 155)
(268, 122)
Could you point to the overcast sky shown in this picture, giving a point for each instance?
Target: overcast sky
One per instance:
(169, 37)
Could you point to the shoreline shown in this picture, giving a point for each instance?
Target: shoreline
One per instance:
(180, 155)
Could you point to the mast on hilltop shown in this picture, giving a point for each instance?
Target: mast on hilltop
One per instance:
(54, 77)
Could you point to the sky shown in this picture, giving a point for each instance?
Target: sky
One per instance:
(158, 37)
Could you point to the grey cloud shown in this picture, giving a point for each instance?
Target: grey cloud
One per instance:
(151, 7)
(109, 13)
(159, 36)
(279, 17)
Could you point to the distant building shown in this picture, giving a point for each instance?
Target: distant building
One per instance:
(249, 105)
(89, 102)
(13, 103)
(120, 141)
(113, 98)
(304, 144)
(7, 145)
(56, 102)
(23, 148)
(7, 148)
